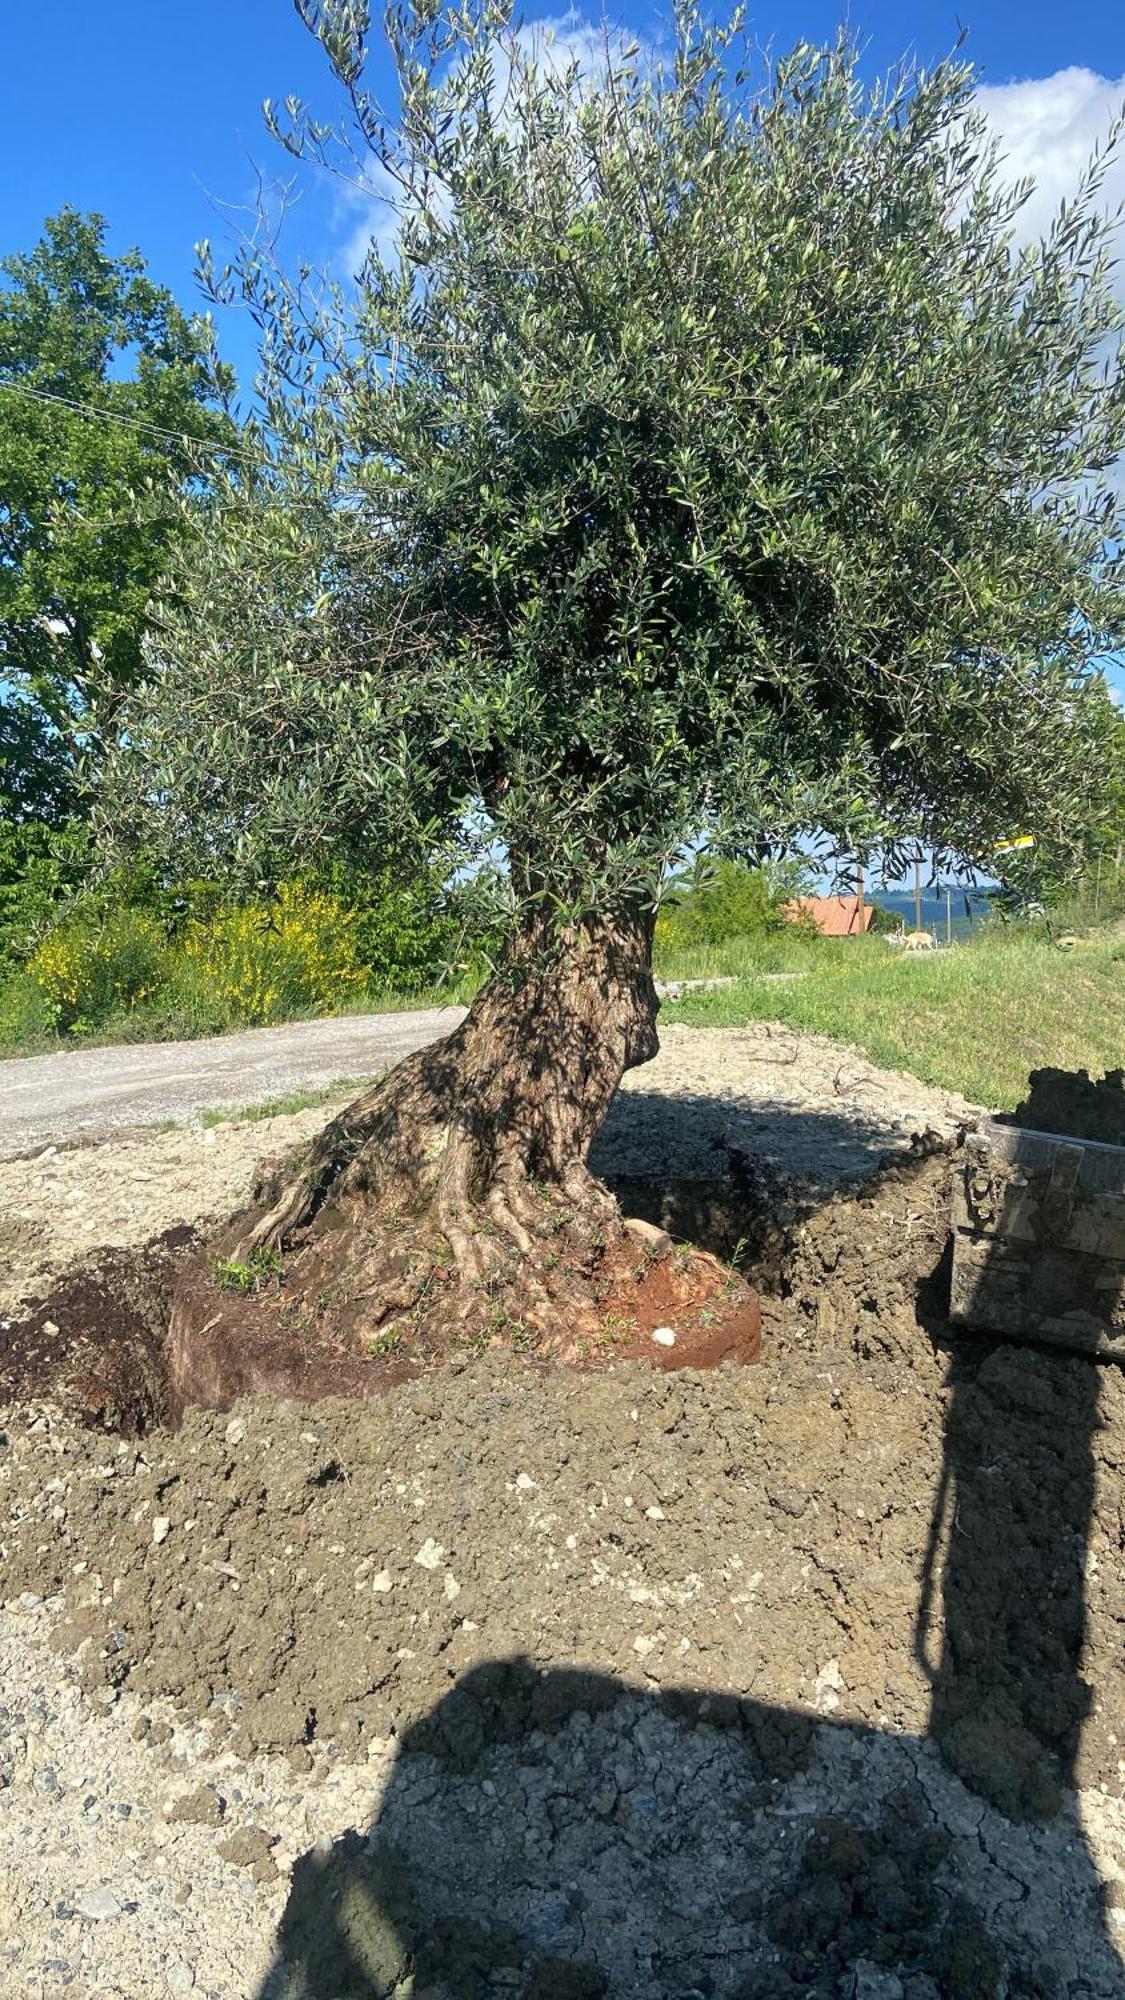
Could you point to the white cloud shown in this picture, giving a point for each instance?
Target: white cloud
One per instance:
(1048, 127)
(371, 209)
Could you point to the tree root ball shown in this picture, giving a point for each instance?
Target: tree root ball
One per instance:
(339, 1313)
(450, 1208)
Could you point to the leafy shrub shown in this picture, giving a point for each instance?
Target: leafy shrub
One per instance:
(26, 1016)
(92, 967)
(267, 962)
(40, 867)
(721, 900)
(403, 934)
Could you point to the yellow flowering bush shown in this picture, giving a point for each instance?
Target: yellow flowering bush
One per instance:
(267, 962)
(92, 967)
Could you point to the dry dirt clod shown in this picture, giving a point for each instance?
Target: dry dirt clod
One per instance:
(656, 1242)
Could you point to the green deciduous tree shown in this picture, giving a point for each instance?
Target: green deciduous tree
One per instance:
(702, 455)
(103, 381)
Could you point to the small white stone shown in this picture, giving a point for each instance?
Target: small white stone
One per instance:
(430, 1554)
(384, 1581)
(235, 1431)
(525, 1483)
(179, 1978)
(654, 1513)
(829, 1682)
(664, 1336)
(643, 1645)
(451, 1587)
(161, 1528)
(99, 1903)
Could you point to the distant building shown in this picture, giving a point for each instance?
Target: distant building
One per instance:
(834, 916)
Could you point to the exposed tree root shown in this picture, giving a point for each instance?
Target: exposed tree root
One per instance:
(451, 1203)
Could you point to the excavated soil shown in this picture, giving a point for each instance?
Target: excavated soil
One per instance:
(324, 1573)
(754, 1681)
(1075, 1105)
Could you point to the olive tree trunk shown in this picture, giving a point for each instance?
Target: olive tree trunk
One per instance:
(482, 1126)
(456, 1189)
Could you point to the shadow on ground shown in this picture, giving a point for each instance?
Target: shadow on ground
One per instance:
(649, 1134)
(557, 1835)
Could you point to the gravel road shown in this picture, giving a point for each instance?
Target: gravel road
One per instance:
(86, 1093)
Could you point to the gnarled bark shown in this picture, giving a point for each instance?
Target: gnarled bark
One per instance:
(453, 1200)
(511, 1101)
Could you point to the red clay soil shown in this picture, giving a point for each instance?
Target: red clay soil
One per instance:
(97, 1344)
(714, 1316)
(263, 1343)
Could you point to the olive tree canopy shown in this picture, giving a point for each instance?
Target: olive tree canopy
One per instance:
(698, 451)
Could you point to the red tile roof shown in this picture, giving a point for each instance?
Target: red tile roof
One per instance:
(834, 916)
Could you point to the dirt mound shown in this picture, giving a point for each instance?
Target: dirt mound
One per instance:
(1075, 1105)
(96, 1344)
(316, 1579)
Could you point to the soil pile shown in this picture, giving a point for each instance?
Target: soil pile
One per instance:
(1075, 1105)
(760, 1682)
(315, 1576)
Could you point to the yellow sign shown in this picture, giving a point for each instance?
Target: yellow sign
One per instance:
(1018, 840)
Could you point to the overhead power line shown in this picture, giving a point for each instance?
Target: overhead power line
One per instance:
(132, 423)
(158, 430)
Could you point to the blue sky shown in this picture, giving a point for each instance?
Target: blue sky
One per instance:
(149, 110)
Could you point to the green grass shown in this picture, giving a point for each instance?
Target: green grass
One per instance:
(974, 1019)
(285, 1106)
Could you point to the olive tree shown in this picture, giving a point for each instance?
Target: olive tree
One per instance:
(698, 453)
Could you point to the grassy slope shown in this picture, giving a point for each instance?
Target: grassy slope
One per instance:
(974, 1019)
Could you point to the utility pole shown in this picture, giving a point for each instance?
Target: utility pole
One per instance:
(918, 890)
(948, 916)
